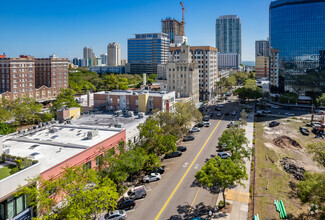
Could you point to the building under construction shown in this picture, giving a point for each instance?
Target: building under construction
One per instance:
(173, 28)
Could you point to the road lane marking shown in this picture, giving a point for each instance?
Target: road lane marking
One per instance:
(197, 193)
(185, 174)
(196, 166)
(185, 164)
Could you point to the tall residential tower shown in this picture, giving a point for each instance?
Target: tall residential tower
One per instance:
(228, 34)
(114, 54)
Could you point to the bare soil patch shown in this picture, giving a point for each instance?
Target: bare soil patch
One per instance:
(286, 142)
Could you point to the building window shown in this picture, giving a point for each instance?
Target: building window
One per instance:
(99, 159)
(87, 165)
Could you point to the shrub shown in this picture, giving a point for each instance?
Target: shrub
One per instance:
(253, 152)
(221, 204)
(14, 170)
(253, 141)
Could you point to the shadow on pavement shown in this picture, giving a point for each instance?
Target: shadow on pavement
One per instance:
(185, 212)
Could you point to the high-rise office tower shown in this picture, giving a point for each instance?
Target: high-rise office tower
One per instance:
(262, 48)
(173, 28)
(88, 52)
(228, 34)
(262, 60)
(104, 58)
(297, 31)
(146, 52)
(114, 54)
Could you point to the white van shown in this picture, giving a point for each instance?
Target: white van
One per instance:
(136, 193)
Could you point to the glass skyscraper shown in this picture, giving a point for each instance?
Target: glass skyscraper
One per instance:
(146, 52)
(228, 34)
(297, 31)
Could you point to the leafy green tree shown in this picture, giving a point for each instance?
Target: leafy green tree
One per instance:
(321, 100)
(241, 77)
(235, 139)
(318, 151)
(6, 128)
(65, 98)
(312, 190)
(85, 193)
(25, 110)
(5, 110)
(221, 172)
(289, 97)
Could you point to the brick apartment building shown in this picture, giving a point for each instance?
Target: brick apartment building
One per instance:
(38, 78)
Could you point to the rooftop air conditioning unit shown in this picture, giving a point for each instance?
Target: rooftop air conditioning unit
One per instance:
(91, 134)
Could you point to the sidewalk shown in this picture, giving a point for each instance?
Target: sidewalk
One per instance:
(239, 195)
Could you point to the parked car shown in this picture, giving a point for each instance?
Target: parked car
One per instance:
(223, 155)
(207, 124)
(267, 112)
(126, 204)
(152, 177)
(220, 106)
(160, 170)
(188, 138)
(273, 124)
(219, 114)
(174, 154)
(275, 107)
(226, 113)
(211, 114)
(289, 114)
(233, 123)
(222, 147)
(304, 131)
(136, 193)
(181, 148)
(195, 129)
(114, 215)
(199, 125)
(234, 113)
(206, 118)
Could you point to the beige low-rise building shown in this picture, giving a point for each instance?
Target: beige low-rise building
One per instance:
(183, 75)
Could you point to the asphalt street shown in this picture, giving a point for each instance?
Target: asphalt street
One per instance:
(176, 195)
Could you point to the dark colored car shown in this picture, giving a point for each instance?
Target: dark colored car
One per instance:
(206, 118)
(217, 109)
(181, 148)
(304, 131)
(199, 125)
(226, 113)
(159, 170)
(222, 147)
(174, 154)
(127, 204)
(188, 138)
(273, 124)
(211, 114)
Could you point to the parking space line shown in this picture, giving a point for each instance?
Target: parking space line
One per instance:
(164, 164)
(188, 169)
(197, 193)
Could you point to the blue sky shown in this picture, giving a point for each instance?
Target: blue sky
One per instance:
(40, 28)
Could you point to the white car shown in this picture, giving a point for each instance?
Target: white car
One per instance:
(220, 106)
(195, 129)
(234, 113)
(223, 155)
(289, 114)
(152, 177)
(206, 124)
(275, 107)
(267, 112)
(218, 114)
(114, 215)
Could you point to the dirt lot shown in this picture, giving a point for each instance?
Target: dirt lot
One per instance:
(275, 147)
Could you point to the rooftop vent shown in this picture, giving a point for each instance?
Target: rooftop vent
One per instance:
(91, 134)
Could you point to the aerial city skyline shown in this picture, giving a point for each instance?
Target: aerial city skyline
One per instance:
(152, 110)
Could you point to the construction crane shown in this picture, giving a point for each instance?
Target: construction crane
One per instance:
(183, 9)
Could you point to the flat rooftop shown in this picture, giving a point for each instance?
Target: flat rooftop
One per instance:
(53, 145)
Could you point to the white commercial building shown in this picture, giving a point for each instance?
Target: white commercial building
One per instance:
(228, 61)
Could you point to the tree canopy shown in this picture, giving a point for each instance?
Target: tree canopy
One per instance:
(222, 172)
